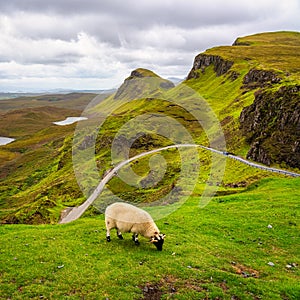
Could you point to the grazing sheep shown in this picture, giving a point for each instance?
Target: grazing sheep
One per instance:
(128, 218)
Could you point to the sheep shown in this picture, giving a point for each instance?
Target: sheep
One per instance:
(128, 218)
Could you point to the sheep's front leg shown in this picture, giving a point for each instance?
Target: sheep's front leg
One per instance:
(119, 233)
(135, 239)
(108, 235)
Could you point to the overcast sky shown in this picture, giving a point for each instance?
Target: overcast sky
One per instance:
(95, 44)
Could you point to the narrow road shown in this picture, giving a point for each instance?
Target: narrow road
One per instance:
(76, 212)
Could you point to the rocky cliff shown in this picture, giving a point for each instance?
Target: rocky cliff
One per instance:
(202, 61)
(253, 86)
(260, 78)
(272, 126)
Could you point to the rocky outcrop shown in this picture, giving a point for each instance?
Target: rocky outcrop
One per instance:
(138, 73)
(142, 83)
(260, 78)
(240, 42)
(272, 126)
(202, 61)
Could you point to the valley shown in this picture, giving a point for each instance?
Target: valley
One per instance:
(231, 229)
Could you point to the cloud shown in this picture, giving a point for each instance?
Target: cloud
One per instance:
(186, 14)
(102, 41)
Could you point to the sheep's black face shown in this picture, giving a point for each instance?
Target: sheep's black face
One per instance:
(158, 241)
(159, 245)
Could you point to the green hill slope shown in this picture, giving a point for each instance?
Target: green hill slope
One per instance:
(243, 245)
(224, 251)
(252, 87)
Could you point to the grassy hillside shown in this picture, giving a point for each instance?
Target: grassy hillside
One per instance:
(21, 123)
(273, 50)
(224, 251)
(261, 67)
(37, 177)
(243, 245)
(33, 176)
(36, 174)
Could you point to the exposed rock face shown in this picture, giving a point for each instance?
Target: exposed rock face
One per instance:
(272, 126)
(136, 73)
(202, 61)
(239, 42)
(260, 78)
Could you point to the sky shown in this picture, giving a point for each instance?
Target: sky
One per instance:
(95, 44)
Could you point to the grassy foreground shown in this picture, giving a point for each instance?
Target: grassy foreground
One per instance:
(223, 251)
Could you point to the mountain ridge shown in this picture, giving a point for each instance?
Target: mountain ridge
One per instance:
(136, 87)
(260, 82)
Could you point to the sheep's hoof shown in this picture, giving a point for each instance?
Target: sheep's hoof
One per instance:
(108, 238)
(120, 236)
(137, 243)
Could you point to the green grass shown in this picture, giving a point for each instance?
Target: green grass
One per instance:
(208, 253)
(36, 171)
(220, 251)
(273, 50)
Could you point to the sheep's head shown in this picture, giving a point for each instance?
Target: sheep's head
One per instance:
(158, 241)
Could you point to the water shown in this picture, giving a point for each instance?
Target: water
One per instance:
(5, 140)
(69, 120)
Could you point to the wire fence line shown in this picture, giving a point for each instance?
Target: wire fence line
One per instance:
(252, 164)
(274, 170)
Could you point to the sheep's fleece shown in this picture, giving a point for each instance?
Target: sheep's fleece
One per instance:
(128, 218)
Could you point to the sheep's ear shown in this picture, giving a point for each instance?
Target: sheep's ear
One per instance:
(153, 240)
(163, 236)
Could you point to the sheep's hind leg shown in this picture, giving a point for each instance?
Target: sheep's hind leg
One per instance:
(120, 236)
(135, 239)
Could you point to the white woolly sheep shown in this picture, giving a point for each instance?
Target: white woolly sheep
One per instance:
(128, 218)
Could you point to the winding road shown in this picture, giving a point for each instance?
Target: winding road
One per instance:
(72, 214)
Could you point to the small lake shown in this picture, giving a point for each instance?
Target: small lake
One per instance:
(5, 140)
(70, 120)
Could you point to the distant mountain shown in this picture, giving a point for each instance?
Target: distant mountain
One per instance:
(69, 101)
(136, 87)
(11, 95)
(67, 91)
(175, 80)
(5, 95)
